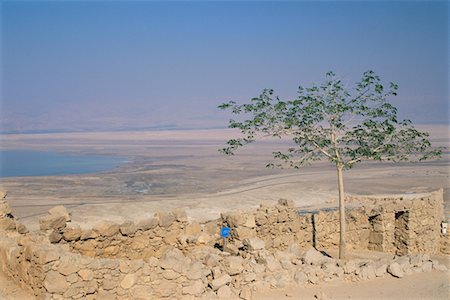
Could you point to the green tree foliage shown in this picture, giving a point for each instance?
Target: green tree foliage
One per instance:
(330, 121)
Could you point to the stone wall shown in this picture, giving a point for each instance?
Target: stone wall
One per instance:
(282, 225)
(405, 224)
(167, 257)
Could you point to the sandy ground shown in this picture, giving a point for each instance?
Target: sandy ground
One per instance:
(184, 169)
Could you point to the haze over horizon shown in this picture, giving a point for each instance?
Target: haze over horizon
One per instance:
(81, 66)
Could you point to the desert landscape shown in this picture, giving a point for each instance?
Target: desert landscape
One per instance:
(115, 118)
(183, 169)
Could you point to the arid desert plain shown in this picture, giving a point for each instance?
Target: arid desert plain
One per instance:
(169, 169)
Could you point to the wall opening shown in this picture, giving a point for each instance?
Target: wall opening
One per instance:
(376, 233)
(401, 233)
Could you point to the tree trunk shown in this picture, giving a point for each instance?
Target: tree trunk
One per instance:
(341, 213)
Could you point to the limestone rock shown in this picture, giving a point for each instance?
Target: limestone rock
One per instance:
(427, 266)
(72, 233)
(416, 260)
(367, 272)
(233, 265)
(86, 274)
(272, 264)
(220, 282)
(242, 233)
(254, 244)
(55, 283)
(21, 228)
(193, 271)
(203, 238)
(404, 263)
(395, 270)
(381, 270)
(260, 218)
(172, 259)
(300, 277)
(246, 293)
(139, 242)
(60, 211)
(68, 265)
(166, 288)
(88, 234)
(193, 229)
(52, 222)
(45, 255)
(7, 223)
(231, 248)
(194, 289)
(295, 250)
(234, 219)
(165, 219)
(140, 292)
(250, 221)
(314, 257)
(128, 281)
(180, 215)
(106, 228)
(331, 269)
(147, 224)
(224, 292)
(350, 267)
(127, 228)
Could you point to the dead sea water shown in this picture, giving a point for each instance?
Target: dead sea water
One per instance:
(15, 163)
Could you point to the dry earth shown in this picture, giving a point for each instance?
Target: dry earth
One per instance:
(184, 169)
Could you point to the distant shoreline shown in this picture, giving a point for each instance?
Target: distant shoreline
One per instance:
(156, 129)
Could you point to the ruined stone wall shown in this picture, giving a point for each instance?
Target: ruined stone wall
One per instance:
(142, 239)
(167, 257)
(405, 224)
(282, 225)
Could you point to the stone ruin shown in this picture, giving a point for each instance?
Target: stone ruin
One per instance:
(168, 257)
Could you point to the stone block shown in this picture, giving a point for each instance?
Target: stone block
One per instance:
(68, 265)
(127, 228)
(233, 265)
(254, 243)
(220, 282)
(224, 292)
(86, 274)
(245, 293)
(165, 219)
(242, 233)
(260, 218)
(250, 221)
(194, 289)
(395, 270)
(106, 228)
(314, 257)
(52, 222)
(193, 229)
(300, 277)
(72, 233)
(45, 255)
(56, 283)
(147, 224)
(128, 281)
(60, 211)
(141, 292)
(180, 215)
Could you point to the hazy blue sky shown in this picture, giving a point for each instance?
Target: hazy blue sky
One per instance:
(98, 65)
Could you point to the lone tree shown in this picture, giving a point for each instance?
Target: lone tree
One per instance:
(344, 126)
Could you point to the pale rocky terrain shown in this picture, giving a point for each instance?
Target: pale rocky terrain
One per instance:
(183, 169)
